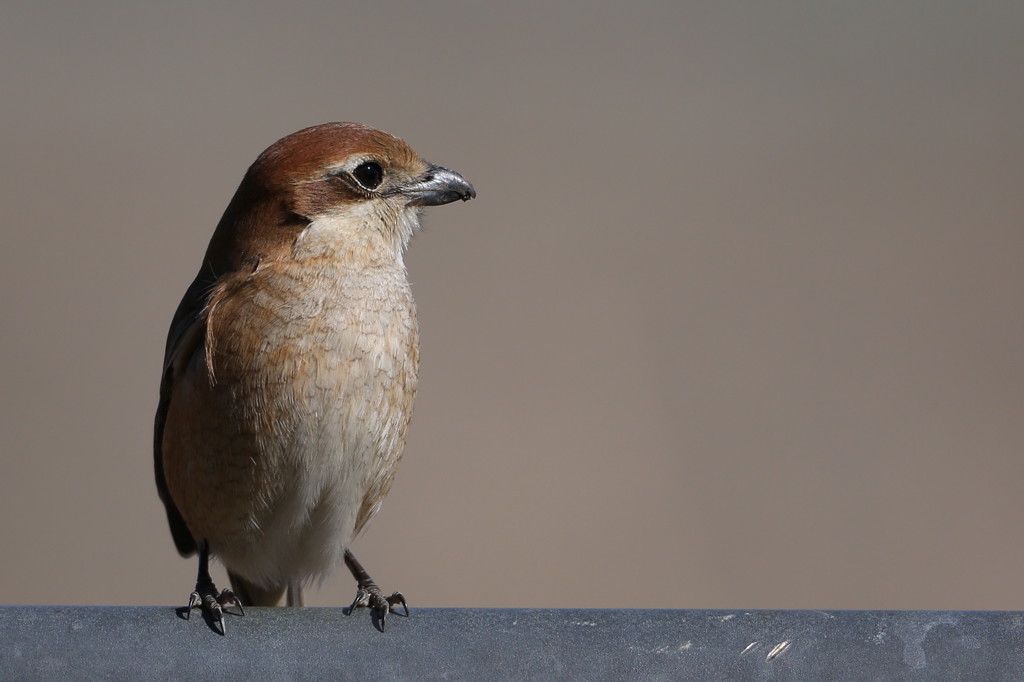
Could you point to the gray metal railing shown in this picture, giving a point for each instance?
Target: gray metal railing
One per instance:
(490, 644)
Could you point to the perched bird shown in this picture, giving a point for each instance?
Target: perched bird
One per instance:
(291, 364)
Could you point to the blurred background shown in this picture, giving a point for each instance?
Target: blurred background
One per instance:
(737, 320)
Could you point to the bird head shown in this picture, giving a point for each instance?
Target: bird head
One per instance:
(331, 189)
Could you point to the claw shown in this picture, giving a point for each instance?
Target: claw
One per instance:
(398, 598)
(227, 597)
(362, 599)
(219, 620)
(194, 600)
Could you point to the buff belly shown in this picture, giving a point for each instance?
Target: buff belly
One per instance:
(285, 430)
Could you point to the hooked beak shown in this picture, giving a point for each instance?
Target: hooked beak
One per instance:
(439, 186)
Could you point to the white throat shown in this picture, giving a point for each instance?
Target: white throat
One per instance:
(364, 232)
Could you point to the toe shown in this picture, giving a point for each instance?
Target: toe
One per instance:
(398, 598)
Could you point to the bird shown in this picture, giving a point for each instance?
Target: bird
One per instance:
(290, 368)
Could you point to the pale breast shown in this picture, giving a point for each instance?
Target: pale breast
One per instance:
(280, 457)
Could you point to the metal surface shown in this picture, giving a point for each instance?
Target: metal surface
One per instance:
(317, 643)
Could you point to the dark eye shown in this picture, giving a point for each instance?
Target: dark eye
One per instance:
(369, 174)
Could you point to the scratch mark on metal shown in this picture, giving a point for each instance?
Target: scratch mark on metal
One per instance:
(779, 649)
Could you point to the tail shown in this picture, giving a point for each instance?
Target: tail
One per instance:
(255, 595)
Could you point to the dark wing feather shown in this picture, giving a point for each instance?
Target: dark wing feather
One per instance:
(187, 332)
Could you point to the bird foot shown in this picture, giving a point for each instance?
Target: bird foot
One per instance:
(370, 596)
(213, 604)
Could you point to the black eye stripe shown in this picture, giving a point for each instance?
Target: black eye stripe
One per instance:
(369, 174)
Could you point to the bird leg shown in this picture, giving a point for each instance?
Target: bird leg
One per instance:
(206, 598)
(369, 595)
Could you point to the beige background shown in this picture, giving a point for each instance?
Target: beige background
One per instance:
(737, 320)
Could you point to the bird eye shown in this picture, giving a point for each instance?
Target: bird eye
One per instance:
(369, 174)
